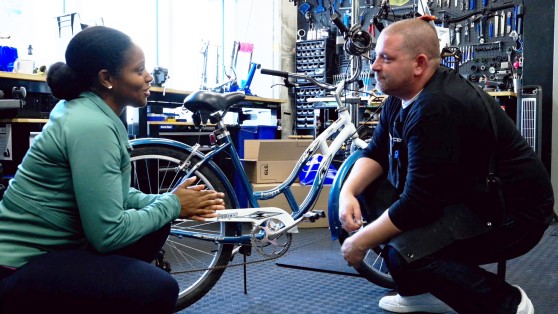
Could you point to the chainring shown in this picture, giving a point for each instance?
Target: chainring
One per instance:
(271, 248)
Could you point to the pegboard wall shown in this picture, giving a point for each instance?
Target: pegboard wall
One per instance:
(485, 36)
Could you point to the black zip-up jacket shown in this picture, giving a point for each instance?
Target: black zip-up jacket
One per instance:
(436, 153)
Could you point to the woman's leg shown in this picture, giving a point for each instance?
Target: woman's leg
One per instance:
(148, 247)
(85, 282)
(453, 274)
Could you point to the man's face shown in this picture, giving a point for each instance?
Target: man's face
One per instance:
(393, 67)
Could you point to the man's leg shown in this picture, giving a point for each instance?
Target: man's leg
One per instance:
(453, 274)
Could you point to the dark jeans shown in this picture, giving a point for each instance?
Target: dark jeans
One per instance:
(83, 281)
(455, 277)
(453, 274)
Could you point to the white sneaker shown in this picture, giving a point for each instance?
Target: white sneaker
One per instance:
(525, 306)
(417, 303)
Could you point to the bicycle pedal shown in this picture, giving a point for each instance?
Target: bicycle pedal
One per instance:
(314, 215)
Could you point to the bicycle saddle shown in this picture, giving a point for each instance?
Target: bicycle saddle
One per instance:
(211, 101)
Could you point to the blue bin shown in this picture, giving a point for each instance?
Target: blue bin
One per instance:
(254, 132)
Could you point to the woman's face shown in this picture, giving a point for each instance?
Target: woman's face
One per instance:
(131, 86)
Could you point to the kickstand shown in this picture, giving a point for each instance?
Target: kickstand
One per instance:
(245, 251)
(245, 285)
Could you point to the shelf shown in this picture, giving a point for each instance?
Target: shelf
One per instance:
(23, 120)
(502, 94)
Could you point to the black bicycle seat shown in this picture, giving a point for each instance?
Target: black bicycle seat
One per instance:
(211, 101)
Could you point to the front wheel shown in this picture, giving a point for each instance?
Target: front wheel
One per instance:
(195, 264)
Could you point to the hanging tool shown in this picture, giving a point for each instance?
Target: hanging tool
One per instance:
(347, 19)
(508, 23)
(480, 29)
(452, 34)
(320, 8)
(496, 26)
(519, 19)
(502, 23)
(371, 29)
(458, 34)
(466, 32)
(304, 7)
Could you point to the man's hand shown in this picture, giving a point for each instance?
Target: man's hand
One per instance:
(352, 252)
(196, 203)
(349, 212)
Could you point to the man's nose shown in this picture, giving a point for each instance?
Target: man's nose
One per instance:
(375, 66)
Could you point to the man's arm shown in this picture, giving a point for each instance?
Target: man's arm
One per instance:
(364, 172)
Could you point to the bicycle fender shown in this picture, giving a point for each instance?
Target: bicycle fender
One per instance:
(335, 226)
(211, 164)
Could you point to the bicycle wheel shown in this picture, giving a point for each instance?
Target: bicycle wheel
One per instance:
(195, 264)
(373, 267)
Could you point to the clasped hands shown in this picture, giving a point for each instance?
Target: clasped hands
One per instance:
(196, 202)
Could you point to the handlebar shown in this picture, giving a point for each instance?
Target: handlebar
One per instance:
(326, 86)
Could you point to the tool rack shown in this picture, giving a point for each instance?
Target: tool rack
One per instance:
(314, 58)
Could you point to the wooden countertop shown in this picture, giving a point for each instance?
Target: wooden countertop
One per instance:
(21, 76)
(24, 120)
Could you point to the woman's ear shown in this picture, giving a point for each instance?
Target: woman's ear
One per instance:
(105, 79)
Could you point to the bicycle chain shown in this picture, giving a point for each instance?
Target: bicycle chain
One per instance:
(228, 265)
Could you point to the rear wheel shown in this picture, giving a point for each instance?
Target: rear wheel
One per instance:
(195, 264)
(373, 267)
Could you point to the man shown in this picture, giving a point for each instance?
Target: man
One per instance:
(434, 145)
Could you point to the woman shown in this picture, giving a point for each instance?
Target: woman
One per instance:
(74, 237)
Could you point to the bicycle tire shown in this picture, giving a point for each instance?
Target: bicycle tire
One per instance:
(372, 267)
(154, 171)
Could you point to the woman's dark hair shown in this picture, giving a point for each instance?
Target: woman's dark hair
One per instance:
(90, 51)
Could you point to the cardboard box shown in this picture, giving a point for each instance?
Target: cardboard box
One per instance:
(299, 192)
(266, 150)
(273, 171)
(271, 161)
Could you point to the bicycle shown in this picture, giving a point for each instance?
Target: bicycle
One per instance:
(198, 253)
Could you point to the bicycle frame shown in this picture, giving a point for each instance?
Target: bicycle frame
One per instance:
(346, 131)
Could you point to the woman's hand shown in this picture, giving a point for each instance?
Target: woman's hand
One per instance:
(196, 202)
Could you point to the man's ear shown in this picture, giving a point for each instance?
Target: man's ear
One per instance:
(105, 79)
(421, 64)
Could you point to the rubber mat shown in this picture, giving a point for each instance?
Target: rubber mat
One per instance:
(323, 255)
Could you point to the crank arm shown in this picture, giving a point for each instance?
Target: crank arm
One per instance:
(278, 233)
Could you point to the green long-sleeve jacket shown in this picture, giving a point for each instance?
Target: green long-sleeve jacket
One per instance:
(72, 188)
